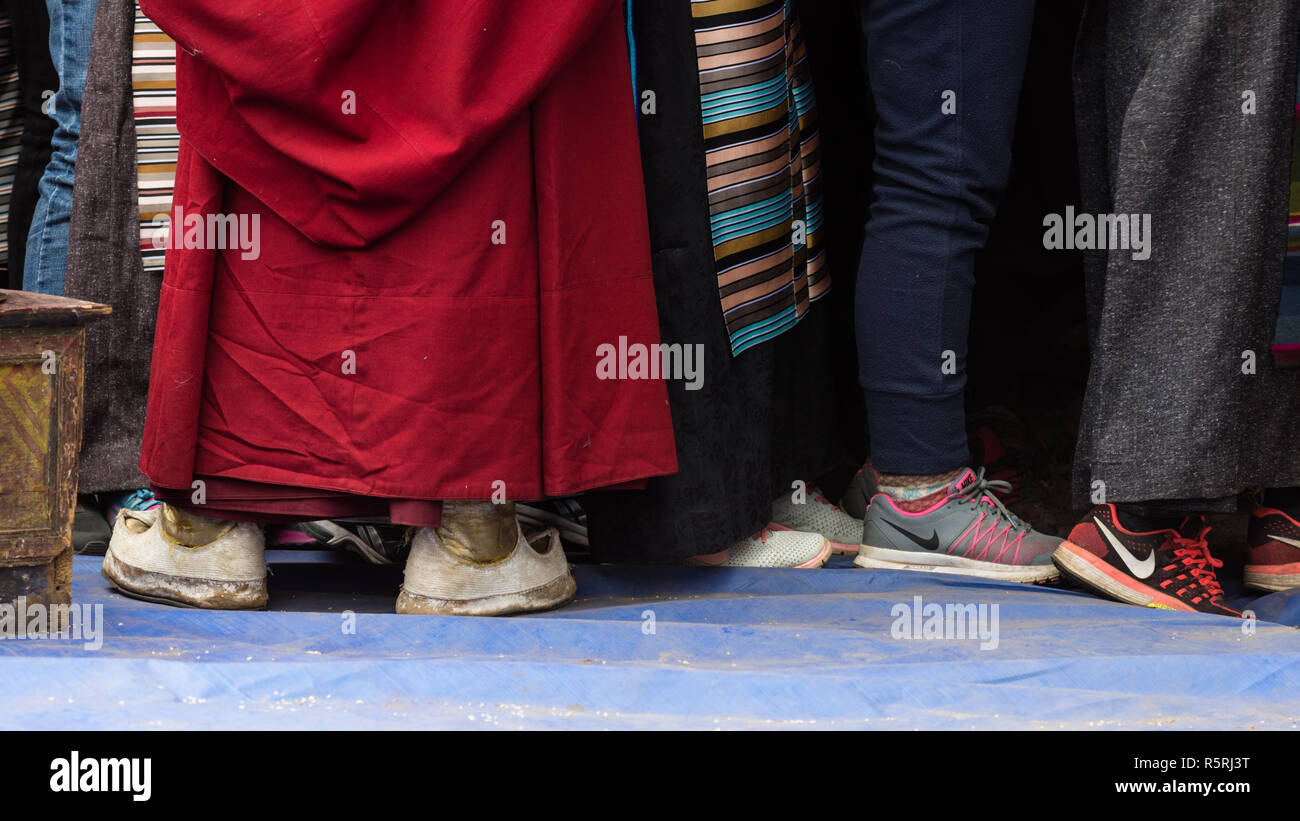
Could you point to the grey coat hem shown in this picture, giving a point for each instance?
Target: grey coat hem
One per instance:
(1169, 412)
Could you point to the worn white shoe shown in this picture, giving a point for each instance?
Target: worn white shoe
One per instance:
(227, 571)
(772, 548)
(816, 514)
(460, 570)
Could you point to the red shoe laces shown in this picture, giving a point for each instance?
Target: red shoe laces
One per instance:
(1194, 554)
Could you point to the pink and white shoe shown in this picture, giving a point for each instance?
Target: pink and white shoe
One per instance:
(816, 514)
(771, 547)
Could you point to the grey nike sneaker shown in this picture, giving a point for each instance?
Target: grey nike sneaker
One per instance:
(970, 533)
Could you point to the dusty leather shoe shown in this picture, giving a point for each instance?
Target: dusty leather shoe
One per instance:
(478, 563)
(192, 562)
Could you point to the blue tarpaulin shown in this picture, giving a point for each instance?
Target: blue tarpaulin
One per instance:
(659, 648)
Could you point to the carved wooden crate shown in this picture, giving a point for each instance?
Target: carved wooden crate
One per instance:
(42, 358)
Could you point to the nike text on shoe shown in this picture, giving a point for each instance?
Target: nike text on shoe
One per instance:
(816, 514)
(1272, 551)
(969, 533)
(161, 555)
(1167, 569)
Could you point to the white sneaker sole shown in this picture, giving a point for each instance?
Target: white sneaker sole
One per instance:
(1272, 582)
(845, 549)
(883, 558)
(182, 591)
(549, 596)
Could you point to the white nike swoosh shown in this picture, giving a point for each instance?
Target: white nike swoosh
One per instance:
(1285, 540)
(1141, 569)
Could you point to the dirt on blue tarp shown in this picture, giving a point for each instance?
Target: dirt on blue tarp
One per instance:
(660, 648)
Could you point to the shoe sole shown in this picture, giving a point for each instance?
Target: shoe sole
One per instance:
(837, 548)
(822, 557)
(884, 558)
(547, 597)
(1267, 577)
(1088, 570)
(182, 591)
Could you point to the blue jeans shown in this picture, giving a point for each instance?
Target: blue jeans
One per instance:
(71, 23)
(945, 78)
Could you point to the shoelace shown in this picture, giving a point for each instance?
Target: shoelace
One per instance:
(1016, 468)
(1194, 554)
(980, 490)
(1015, 487)
(137, 501)
(142, 499)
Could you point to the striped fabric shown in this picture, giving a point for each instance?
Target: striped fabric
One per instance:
(11, 132)
(153, 82)
(764, 168)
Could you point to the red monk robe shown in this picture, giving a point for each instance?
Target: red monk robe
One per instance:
(381, 344)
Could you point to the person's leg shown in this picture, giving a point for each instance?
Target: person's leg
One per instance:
(71, 24)
(36, 77)
(945, 79)
(1170, 512)
(1170, 412)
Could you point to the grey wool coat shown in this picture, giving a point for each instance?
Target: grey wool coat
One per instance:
(1184, 112)
(104, 261)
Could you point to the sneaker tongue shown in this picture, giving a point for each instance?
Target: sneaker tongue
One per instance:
(961, 482)
(1192, 527)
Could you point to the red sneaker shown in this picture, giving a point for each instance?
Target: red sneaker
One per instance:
(1272, 550)
(1169, 569)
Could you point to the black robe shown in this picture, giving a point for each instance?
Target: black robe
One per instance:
(760, 421)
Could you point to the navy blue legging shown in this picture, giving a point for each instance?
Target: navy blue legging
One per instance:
(937, 178)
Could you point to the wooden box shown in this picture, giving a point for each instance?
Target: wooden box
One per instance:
(42, 359)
